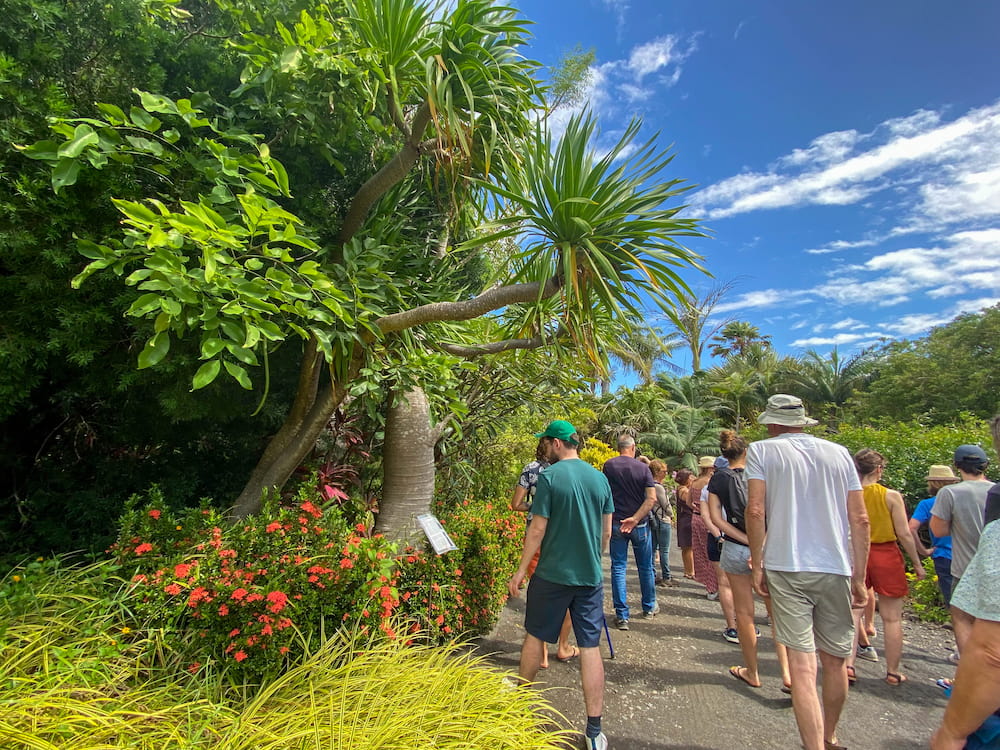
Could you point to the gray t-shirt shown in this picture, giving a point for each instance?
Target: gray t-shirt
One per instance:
(962, 505)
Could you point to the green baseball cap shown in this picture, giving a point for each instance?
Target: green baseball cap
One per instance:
(561, 429)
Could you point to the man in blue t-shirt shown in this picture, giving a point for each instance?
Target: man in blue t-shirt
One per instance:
(938, 476)
(634, 492)
(571, 526)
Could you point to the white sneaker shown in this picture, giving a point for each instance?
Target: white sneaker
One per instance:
(600, 742)
(867, 652)
(653, 612)
(712, 596)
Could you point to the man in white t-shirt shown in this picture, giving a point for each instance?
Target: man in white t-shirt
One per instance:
(809, 534)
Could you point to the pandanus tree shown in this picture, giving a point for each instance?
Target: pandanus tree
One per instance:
(369, 268)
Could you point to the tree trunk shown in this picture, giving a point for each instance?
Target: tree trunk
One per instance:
(312, 409)
(408, 465)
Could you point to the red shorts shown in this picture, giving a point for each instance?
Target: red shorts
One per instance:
(886, 572)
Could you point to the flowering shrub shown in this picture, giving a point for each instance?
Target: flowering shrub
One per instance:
(462, 592)
(596, 453)
(925, 596)
(261, 593)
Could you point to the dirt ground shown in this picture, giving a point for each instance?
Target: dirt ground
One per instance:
(668, 686)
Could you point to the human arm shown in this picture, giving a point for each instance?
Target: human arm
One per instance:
(532, 543)
(897, 511)
(756, 532)
(517, 501)
(718, 519)
(632, 521)
(606, 531)
(914, 526)
(857, 519)
(940, 522)
(976, 692)
(710, 525)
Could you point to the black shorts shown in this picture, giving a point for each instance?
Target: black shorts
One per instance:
(547, 603)
(714, 548)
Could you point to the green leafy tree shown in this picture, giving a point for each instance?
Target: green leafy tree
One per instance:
(955, 368)
(224, 252)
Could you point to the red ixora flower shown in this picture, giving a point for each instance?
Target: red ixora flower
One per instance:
(279, 601)
(272, 527)
(181, 570)
(144, 547)
(155, 514)
(173, 589)
(240, 655)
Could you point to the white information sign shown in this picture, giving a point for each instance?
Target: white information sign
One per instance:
(436, 534)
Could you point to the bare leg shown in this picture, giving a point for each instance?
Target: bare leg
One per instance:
(725, 596)
(962, 623)
(779, 648)
(834, 693)
(565, 651)
(891, 611)
(687, 555)
(742, 595)
(859, 629)
(805, 699)
(592, 676)
(531, 658)
(870, 614)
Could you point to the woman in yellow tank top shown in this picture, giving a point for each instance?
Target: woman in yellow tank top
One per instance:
(886, 574)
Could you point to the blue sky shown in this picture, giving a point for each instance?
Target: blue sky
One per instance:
(847, 155)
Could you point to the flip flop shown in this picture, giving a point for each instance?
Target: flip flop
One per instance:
(852, 676)
(576, 653)
(833, 745)
(943, 682)
(738, 673)
(786, 689)
(891, 678)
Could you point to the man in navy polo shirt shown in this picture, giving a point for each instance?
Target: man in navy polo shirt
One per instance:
(634, 493)
(571, 525)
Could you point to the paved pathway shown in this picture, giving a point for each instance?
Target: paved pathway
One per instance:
(668, 687)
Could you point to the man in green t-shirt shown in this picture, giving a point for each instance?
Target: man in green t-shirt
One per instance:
(571, 526)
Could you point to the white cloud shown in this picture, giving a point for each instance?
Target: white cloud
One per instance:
(841, 339)
(847, 323)
(838, 245)
(762, 299)
(620, 8)
(635, 79)
(955, 167)
(912, 325)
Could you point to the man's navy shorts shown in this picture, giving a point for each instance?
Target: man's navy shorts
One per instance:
(547, 603)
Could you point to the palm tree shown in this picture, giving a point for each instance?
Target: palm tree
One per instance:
(830, 381)
(735, 338)
(679, 436)
(691, 319)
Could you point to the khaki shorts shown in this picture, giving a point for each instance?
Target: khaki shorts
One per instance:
(812, 611)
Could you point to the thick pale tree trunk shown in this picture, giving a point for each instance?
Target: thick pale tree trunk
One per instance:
(408, 462)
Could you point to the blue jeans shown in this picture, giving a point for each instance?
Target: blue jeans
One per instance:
(942, 566)
(661, 541)
(642, 550)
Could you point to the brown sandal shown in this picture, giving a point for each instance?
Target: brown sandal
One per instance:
(852, 676)
(891, 678)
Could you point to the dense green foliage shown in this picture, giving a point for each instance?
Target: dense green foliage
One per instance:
(955, 368)
(79, 676)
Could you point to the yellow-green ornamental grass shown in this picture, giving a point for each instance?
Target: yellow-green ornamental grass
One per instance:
(74, 677)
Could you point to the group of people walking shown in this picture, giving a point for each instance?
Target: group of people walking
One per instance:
(793, 518)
